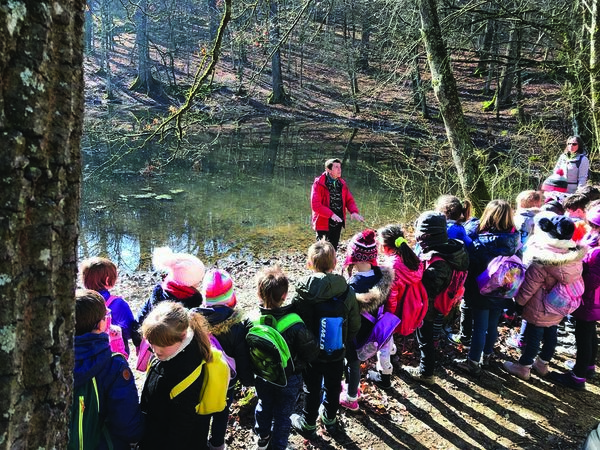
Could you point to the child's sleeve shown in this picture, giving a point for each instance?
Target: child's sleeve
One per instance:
(353, 315)
(534, 281)
(124, 418)
(305, 349)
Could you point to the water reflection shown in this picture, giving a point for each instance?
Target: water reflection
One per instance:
(234, 194)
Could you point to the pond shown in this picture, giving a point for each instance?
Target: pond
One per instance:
(237, 193)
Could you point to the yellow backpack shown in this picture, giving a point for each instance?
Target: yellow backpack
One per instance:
(213, 394)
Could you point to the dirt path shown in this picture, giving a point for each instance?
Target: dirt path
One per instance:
(496, 411)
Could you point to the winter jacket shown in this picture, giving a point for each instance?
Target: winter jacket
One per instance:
(552, 261)
(123, 317)
(437, 275)
(119, 404)
(523, 219)
(227, 325)
(173, 423)
(320, 287)
(371, 293)
(457, 231)
(590, 305)
(301, 342)
(575, 169)
(159, 295)
(319, 202)
(403, 277)
(486, 246)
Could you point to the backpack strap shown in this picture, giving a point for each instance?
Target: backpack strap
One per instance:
(287, 321)
(110, 299)
(187, 381)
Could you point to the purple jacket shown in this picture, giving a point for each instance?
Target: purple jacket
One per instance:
(121, 315)
(590, 306)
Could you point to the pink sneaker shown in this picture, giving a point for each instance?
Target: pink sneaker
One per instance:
(348, 402)
(345, 390)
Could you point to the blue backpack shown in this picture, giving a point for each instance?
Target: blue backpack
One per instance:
(329, 327)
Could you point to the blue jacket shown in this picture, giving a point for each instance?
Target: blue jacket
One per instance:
(486, 246)
(119, 404)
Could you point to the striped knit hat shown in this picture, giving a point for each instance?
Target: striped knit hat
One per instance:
(217, 289)
(555, 182)
(362, 248)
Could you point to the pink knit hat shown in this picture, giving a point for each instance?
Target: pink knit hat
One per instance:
(362, 248)
(183, 268)
(217, 289)
(593, 215)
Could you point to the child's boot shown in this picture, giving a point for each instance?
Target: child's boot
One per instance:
(540, 366)
(381, 380)
(519, 370)
(568, 379)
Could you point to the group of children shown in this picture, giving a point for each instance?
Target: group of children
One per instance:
(385, 288)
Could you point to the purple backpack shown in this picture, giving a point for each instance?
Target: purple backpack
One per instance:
(563, 299)
(502, 277)
(384, 325)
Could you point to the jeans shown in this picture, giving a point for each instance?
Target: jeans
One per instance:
(274, 408)
(533, 337)
(425, 340)
(586, 339)
(329, 376)
(218, 427)
(352, 371)
(485, 331)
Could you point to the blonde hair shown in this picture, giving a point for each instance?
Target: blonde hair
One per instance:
(321, 256)
(453, 208)
(529, 199)
(168, 322)
(497, 217)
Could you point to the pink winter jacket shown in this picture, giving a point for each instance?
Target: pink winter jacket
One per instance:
(319, 202)
(551, 261)
(403, 277)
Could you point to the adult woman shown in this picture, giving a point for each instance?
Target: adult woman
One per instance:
(496, 236)
(574, 164)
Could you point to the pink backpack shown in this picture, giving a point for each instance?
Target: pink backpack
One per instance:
(502, 277)
(412, 308)
(563, 299)
(445, 300)
(115, 334)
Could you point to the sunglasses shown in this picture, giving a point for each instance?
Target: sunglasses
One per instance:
(572, 143)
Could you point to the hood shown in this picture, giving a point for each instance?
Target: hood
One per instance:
(551, 252)
(220, 318)
(454, 253)
(92, 356)
(322, 286)
(378, 294)
(500, 244)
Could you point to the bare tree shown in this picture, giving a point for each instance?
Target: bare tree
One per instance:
(41, 113)
(444, 86)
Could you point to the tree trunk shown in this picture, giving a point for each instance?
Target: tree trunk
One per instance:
(278, 95)
(144, 82)
(41, 113)
(444, 86)
(507, 77)
(419, 97)
(595, 73)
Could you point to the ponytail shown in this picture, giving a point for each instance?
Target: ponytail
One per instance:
(393, 238)
(199, 326)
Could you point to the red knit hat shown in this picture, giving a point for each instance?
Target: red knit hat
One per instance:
(362, 248)
(217, 289)
(555, 182)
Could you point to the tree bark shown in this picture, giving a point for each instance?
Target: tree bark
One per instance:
(41, 113)
(278, 95)
(144, 82)
(444, 86)
(595, 72)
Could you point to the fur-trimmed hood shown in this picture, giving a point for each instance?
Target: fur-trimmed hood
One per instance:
(220, 318)
(371, 300)
(547, 251)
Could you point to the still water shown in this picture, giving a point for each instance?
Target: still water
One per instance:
(239, 193)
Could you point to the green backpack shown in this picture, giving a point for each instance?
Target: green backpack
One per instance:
(269, 352)
(86, 427)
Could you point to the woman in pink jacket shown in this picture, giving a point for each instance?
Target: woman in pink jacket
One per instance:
(586, 316)
(555, 258)
(329, 200)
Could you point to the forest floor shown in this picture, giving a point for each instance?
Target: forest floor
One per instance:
(495, 411)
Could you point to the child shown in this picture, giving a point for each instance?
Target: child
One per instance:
(226, 325)
(275, 403)
(431, 235)
(180, 343)
(317, 293)
(408, 271)
(496, 236)
(184, 275)
(555, 186)
(119, 411)
(555, 258)
(588, 313)
(100, 275)
(457, 213)
(372, 286)
(575, 210)
(528, 205)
